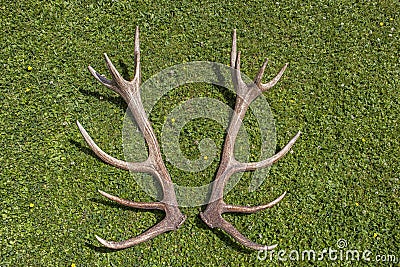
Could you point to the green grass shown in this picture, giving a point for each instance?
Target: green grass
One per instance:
(341, 90)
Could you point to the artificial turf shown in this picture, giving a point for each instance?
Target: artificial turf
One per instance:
(341, 90)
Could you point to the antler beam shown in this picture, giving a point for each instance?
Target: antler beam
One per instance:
(246, 94)
(154, 164)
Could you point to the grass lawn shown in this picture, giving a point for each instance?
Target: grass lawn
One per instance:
(341, 90)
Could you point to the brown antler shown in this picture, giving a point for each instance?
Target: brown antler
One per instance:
(154, 164)
(246, 93)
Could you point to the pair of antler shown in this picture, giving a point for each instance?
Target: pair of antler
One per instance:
(155, 166)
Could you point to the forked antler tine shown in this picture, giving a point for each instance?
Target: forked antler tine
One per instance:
(260, 73)
(133, 204)
(230, 229)
(117, 78)
(250, 166)
(164, 226)
(253, 209)
(264, 87)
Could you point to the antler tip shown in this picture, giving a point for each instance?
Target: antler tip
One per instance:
(276, 201)
(297, 135)
(137, 34)
(103, 242)
(81, 129)
(270, 247)
(106, 57)
(108, 61)
(260, 73)
(92, 71)
(234, 37)
(285, 66)
(101, 192)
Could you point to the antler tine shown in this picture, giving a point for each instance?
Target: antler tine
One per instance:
(260, 73)
(109, 84)
(233, 49)
(238, 83)
(230, 229)
(139, 167)
(228, 166)
(137, 56)
(237, 64)
(166, 225)
(117, 78)
(153, 165)
(250, 166)
(253, 209)
(132, 204)
(237, 76)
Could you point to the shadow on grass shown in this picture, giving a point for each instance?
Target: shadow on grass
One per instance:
(99, 249)
(125, 71)
(116, 100)
(84, 149)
